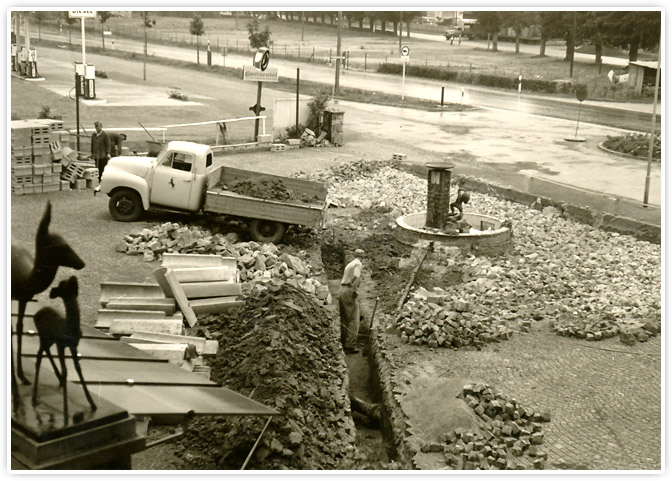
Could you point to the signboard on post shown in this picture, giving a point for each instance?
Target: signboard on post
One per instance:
(82, 13)
(251, 73)
(405, 51)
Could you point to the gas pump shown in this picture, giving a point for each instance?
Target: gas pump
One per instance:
(22, 59)
(31, 64)
(90, 82)
(14, 52)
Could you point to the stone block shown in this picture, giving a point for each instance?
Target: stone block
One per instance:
(538, 463)
(546, 416)
(435, 448)
(537, 438)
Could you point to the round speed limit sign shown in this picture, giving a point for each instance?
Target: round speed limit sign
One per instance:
(405, 51)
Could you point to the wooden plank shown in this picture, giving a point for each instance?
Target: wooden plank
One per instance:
(204, 274)
(129, 326)
(203, 346)
(110, 290)
(167, 277)
(105, 316)
(215, 304)
(89, 349)
(169, 352)
(198, 290)
(173, 260)
(142, 304)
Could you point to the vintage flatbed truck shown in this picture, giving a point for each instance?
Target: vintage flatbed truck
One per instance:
(183, 178)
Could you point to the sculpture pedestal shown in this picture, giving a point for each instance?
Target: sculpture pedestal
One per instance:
(100, 439)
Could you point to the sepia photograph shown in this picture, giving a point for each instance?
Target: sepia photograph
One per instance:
(352, 240)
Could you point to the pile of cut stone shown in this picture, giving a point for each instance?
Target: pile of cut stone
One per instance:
(438, 319)
(511, 435)
(259, 265)
(596, 328)
(558, 268)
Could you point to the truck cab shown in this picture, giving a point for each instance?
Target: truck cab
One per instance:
(175, 179)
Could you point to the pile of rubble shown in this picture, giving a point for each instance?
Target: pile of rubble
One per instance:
(596, 328)
(438, 319)
(282, 351)
(309, 139)
(259, 265)
(558, 268)
(510, 437)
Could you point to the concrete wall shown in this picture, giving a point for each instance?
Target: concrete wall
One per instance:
(284, 113)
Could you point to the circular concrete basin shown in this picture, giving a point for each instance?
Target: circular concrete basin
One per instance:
(488, 235)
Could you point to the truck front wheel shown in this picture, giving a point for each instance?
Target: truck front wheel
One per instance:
(267, 230)
(125, 205)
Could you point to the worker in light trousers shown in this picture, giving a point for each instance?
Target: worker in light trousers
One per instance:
(348, 304)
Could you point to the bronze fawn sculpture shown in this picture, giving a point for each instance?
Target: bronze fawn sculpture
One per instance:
(32, 275)
(64, 332)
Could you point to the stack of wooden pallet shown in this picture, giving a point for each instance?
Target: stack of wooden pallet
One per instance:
(151, 316)
(33, 166)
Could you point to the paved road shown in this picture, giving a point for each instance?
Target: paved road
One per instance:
(496, 145)
(635, 117)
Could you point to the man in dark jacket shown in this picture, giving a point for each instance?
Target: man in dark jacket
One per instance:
(117, 140)
(100, 148)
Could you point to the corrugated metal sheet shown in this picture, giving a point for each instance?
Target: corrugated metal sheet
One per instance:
(158, 389)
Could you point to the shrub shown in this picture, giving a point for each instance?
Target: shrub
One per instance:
(317, 107)
(45, 113)
(634, 144)
(293, 133)
(101, 74)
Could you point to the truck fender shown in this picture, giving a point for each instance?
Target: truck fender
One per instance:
(124, 180)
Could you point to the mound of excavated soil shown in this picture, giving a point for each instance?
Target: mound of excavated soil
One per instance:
(267, 188)
(280, 350)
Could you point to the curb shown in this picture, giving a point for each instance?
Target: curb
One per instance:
(624, 155)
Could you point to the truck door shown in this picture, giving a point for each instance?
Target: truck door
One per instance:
(173, 181)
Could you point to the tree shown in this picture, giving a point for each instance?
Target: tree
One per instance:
(258, 38)
(490, 23)
(551, 24)
(39, 18)
(104, 16)
(633, 30)
(70, 22)
(518, 21)
(408, 18)
(591, 26)
(197, 28)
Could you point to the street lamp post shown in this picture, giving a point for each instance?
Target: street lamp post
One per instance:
(653, 132)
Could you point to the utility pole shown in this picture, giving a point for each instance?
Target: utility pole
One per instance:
(144, 58)
(338, 54)
(302, 26)
(573, 46)
(401, 27)
(653, 131)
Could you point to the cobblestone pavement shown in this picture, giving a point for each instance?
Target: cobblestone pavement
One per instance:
(604, 397)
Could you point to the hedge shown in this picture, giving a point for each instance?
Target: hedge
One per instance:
(438, 73)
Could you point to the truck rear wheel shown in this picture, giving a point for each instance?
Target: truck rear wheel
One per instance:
(125, 205)
(267, 230)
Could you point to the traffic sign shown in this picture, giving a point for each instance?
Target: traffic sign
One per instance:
(405, 51)
(404, 59)
(82, 13)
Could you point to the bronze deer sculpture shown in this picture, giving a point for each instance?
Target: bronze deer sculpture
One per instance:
(64, 332)
(32, 275)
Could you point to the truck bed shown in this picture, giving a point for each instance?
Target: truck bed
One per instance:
(226, 202)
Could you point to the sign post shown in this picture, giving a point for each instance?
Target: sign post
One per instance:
(260, 73)
(404, 60)
(82, 14)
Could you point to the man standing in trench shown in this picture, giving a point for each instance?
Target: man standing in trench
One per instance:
(348, 305)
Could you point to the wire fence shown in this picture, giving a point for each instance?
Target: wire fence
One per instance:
(367, 60)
